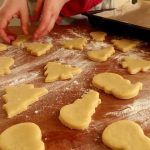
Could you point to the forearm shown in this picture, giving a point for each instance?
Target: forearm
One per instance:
(74, 7)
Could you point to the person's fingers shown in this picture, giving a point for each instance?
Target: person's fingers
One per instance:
(43, 25)
(4, 36)
(3, 25)
(49, 27)
(11, 36)
(24, 16)
(37, 10)
(47, 13)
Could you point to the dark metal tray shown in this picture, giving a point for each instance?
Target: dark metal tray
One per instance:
(117, 27)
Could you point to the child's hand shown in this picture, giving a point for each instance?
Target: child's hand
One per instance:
(48, 16)
(10, 9)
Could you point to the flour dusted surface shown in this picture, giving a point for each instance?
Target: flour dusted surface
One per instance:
(29, 69)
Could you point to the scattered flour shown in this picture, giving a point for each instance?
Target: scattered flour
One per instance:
(137, 111)
(96, 45)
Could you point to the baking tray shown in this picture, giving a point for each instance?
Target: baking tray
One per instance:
(118, 27)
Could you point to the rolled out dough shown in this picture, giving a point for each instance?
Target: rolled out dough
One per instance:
(76, 43)
(98, 36)
(57, 71)
(3, 47)
(5, 64)
(135, 65)
(20, 40)
(78, 114)
(102, 54)
(125, 135)
(23, 136)
(38, 49)
(116, 85)
(125, 45)
(19, 97)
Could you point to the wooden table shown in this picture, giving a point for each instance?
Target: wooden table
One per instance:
(45, 112)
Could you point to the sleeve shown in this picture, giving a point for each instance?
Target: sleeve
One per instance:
(74, 7)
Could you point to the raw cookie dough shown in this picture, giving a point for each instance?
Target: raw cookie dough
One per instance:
(116, 85)
(98, 36)
(76, 43)
(78, 115)
(57, 71)
(102, 54)
(19, 97)
(3, 47)
(125, 135)
(5, 64)
(20, 40)
(38, 49)
(125, 45)
(23, 136)
(135, 65)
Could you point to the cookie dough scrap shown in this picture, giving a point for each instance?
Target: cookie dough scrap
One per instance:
(116, 85)
(3, 47)
(23, 136)
(135, 65)
(98, 36)
(5, 64)
(125, 45)
(78, 114)
(57, 71)
(38, 49)
(76, 43)
(125, 135)
(102, 54)
(19, 97)
(20, 40)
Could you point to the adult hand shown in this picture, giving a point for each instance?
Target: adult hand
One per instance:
(47, 11)
(9, 10)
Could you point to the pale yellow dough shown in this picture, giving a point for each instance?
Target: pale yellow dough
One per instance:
(98, 36)
(116, 85)
(76, 43)
(38, 49)
(5, 64)
(135, 65)
(125, 135)
(125, 45)
(78, 115)
(102, 54)
(19, 97)
(3, 47)
(23, 136)
(20, 40)
(57, 71)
